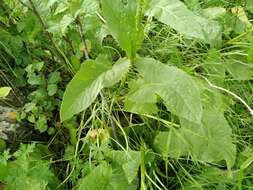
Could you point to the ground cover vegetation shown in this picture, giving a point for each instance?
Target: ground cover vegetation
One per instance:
(126, 94)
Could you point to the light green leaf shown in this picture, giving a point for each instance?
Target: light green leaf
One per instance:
(92, 77)
(62, 25)
(41, 124)
(214, 12)
(89, 7)
(177, 89)
(54, 78)
(210, 141)
(50, 3)
(176, 15)
(4, 91)
(124, 22)
(34, 79)
(52, 89)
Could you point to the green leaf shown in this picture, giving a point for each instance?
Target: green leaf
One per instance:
(37, 66)
(41, 124)
(177, 89)
(210, 141)
(210, 177)
(99, 178)
(4, 91)
(128, 161)
(176, 15)
(124, 22)
(88, 7)
(29, 107)
(105, 177)
(62, 25)
(52, 89)
(54, 78)
(250, 52)
(34, 79)
(92, 77)
(28, 171)
(112, 177)
(214, 12)
(249, 5)
(214, 66)
(239, 70)
(242, 15)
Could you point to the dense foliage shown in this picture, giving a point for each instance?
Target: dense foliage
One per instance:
(127, 94)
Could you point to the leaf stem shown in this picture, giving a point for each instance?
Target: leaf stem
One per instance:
(81, 32)
(240, 36)
(43, 24)
(143, 169)
(230, 93)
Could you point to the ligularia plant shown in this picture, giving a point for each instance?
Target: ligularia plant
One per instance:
(201, 132)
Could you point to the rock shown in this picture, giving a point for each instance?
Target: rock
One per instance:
(7, 121)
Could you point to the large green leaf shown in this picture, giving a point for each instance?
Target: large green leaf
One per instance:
(175, 14)
(92, 77)
(105, 177)
(249, 5)
(124, 22)
(129, 162)
(179, 91)
(99, 178)
(239, 70)
(210, 141)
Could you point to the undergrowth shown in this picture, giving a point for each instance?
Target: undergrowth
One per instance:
(135, 94)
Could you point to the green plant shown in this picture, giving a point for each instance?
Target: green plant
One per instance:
(26, 170)
(44, 99)
(195, 125)
(159, 97)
